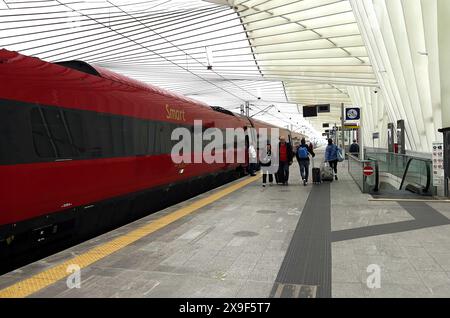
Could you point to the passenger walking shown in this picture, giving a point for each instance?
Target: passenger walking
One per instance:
(286, 156)
(266, 162)
(331, 156)
(252, 156)
(354, 149)
(303, 153)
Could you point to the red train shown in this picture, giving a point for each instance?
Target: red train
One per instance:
(83, 150)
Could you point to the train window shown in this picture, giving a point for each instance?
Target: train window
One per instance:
(225, 142)
(53, 118)
(59, 133)
(141, 137)
(118, 136)
(93, 149)
(151, 137)
(167, 137)
(75, 126)
(159, 130)
(43, 143)
(103, 135)
(170, 143)
(128, 136)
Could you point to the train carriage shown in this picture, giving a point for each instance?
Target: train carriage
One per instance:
(83, 150)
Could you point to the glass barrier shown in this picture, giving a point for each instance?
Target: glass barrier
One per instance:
(404, 169)
(367, 183)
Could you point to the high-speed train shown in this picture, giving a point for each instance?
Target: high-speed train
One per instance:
(83, 150)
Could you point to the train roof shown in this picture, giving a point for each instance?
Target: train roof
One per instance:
(7, 56)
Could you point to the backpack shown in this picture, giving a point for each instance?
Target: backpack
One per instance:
(303, 153)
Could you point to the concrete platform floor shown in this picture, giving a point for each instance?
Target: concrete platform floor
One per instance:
(245, 243)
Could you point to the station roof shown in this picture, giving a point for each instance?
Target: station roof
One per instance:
(278, 55)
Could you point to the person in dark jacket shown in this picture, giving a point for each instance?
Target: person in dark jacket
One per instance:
(354, 149)
(286, 156)
(303, 153)
(331, 156)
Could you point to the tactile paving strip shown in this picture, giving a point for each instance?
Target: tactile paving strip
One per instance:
(293, 291)
(308, 258)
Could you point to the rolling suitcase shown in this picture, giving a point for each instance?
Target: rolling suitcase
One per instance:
(327, 172)
(317, 179)
(277, 177)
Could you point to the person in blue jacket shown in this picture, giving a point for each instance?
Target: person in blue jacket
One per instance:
(331, 156)
(303, 153)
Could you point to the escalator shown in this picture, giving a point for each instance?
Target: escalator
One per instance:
(395, 176)
(403, 177)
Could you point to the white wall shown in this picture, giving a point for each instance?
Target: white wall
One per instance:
(402, 40)
(444, 57)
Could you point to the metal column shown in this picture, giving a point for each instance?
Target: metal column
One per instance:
(247, 109)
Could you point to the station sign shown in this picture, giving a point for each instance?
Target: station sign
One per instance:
(352, 126)
(376, 135)
(353, 113)
(438, 163)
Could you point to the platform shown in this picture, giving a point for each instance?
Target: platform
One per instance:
(242, 240)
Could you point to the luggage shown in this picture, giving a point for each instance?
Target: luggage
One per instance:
(277, 177)
(327, 172)
(316, 175)
(317, 179)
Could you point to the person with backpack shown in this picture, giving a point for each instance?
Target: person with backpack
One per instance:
(303, 153)
(332, 156)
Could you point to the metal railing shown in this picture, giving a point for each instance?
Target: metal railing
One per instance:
(415, 154)
(367, 184)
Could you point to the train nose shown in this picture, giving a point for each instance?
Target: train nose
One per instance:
(6, 56)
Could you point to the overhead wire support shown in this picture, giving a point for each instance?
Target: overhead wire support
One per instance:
(238, 97)
(251, 94)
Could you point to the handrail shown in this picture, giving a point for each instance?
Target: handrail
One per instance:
(408, 155)
(427, 188)
(377, 174)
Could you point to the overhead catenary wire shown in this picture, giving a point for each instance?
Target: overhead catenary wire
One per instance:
(170, 42)
(251, 94)
(173, 17)
(242, 40)
(79, 10)
(210, 31)
(182, 67)
(190, 30)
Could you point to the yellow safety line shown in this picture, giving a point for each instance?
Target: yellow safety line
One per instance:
(52, 275)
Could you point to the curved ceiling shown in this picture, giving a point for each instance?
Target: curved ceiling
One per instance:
(276, 55)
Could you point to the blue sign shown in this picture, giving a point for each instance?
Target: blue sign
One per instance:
(353, 113)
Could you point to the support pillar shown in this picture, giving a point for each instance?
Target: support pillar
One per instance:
(443, 13)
